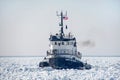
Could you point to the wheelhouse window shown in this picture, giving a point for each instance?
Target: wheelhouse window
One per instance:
(75, 44)
(55, 43)
(59, 44)
(62, 43)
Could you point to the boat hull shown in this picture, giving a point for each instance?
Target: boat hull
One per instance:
(44, 64)
(65, 63)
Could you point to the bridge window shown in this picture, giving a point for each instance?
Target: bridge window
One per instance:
(75, 44)
(55, 43)
(62, 43)
(59, 44)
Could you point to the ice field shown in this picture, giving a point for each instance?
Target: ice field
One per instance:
(26, 68)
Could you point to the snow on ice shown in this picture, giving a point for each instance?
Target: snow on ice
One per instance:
(26, 68)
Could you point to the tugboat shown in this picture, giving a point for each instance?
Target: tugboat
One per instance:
(63, 52)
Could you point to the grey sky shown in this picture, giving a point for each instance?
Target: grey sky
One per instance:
(25, 25)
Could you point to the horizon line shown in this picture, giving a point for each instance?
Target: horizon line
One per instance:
(44, 56)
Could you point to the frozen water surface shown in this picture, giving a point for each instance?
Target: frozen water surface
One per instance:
(26, 68)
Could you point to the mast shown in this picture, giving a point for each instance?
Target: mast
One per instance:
(61, 23)
(62, 32)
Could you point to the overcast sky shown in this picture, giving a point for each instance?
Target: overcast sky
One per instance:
(25, 26)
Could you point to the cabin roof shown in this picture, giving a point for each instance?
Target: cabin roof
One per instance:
(55, 38)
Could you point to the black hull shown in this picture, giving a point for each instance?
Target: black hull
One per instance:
(44, 64)
(65, 63)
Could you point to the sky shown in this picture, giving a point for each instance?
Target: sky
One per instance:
(25, 26)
